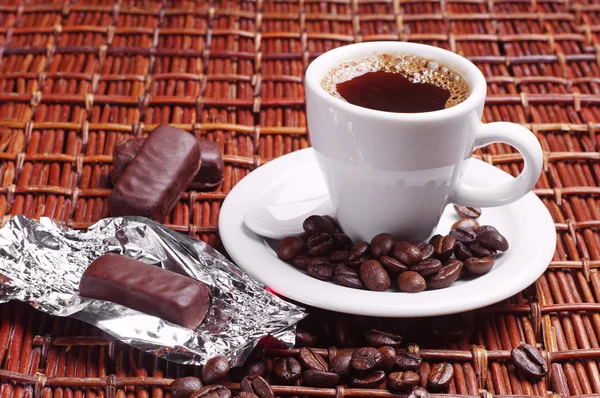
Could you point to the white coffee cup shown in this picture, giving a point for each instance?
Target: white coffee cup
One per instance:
(396, 172)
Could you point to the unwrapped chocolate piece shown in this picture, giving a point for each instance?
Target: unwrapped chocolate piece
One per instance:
(162, 170)
(146, 288)
(209, 176)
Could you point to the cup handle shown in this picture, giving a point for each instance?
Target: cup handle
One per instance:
(489, 196)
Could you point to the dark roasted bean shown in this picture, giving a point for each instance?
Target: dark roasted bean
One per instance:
(320, 270)
(332, 221)
(493, 240)
(347, 276)
(427, 267)
(365, 360)
(372, 380)
(373, 276)
(403, 381)
(466, 223)
(286, 370)
(465, 236)
(320, 244)
(447, 275)
(214, 391)
(388, 357)
(448, 327)
(418, 392)
(341, 242)
(359, 253)
(183, 387)
(301, 261)
(479, 250)
(305, 339)
(258, 386)
(290, 247)
(440, 375)
(467, 212)
(340, 364)
(338, 256)
(425, 248)
(462, 252)
(311, 360)
(255, 367)
(443, 246)
(381, 245)
(527, 358)
(315, 224)
(215, 369)
(411, 282)
(317, 378)
(408, 361)
(344, 333)
(392, 266)
(485, 228)
(479, 266)
(406, 252)
(378, 338)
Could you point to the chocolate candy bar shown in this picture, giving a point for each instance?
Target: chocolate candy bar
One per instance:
(209, 176)
(146, 288)
(161, 171)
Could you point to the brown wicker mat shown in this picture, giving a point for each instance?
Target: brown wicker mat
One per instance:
(76, 76)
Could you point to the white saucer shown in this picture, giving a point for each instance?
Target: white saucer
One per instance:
(526, 224)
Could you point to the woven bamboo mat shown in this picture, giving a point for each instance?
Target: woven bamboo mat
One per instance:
(78, 76)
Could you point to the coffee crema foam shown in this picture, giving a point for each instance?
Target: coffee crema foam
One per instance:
(413, 67)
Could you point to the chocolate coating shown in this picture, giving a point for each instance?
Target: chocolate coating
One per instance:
(161, 171)
(146, 288)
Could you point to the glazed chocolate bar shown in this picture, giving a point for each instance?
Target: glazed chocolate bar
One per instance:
(209, 176)
(146, 288)
(160, 172)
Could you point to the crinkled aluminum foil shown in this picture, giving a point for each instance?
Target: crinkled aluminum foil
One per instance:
(44, 263)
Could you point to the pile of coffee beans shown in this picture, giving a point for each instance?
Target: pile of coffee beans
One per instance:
(326, 253)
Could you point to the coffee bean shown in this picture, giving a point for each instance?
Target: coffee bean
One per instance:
(320, 244)
(305, 339)
(479, 266)
(290, 247)
(447, 275)
(388, 357)
(378, 338)
(411, 282)
(365, 360)
(528, 358)
(448, 327)
(418, 392)
(493, 240)
(443, 246)
(374, 277)
(425, 248)
(315, 224)
(338, 256)
(311, 360)
(214, 391)
(440, 375)
(485, 228)
(467, 212)
(258, 386)
(215, 369)
(359, 253)
(255, 367)
(245, 394)
(286, 370)
(321, 269)
(344, 333)
(427, 267)
(332, 221)
(317, 378)
(372, 380)
(301, 261)
(462, 252)
(347, 276)
(466, 223)
(341, 241)
(406, 252)
(403, 381)
(183, 387)
(392, 266)
(381, 245)
(478, 250)
(340, 364)
(408, 361)
(465, 236)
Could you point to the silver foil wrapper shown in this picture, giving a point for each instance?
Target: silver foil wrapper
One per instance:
(41, 263)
